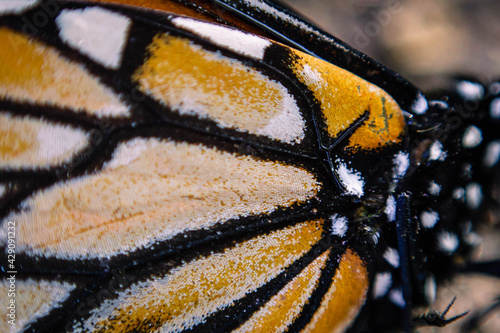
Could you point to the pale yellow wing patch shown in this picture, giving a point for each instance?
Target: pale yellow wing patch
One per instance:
(153, 190)
(31, 72)
(344, 97)
(193, 291)
(345, 297)
(280, 311)
(29, 143)
(33, 299)
(192, 80)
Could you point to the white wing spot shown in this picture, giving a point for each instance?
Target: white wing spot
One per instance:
(129, 151)
(51, 145)
(288, 124)
(99, 33)
(15, 6)
(232, 39)
(351, 179)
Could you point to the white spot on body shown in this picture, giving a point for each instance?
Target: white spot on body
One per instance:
(473, 195)
(472, 137)
(495, 108)
(467, 169)
(98, 33)
(235, 40)
(396, 297)
(390, 208)
(401, 164)
(339, 225)
(473, 238)
(434, 188)
(469, 236)
(381, 284)
(447, 242)
(15, 6)
(441, 104)
(351, 179)
(492, 154)
(392, 257)
(458, 193)
(375, 237)
(494, 88)
(470, 90)
(3, 189)
(429, 219)
(420, 106)
(436, 152)
(430, 289)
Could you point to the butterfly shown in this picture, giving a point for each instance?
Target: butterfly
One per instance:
(226, 166)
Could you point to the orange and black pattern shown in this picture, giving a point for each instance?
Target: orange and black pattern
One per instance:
(169, 166)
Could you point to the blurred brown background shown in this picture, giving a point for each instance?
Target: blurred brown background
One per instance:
(426, 40)
(417, 38)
